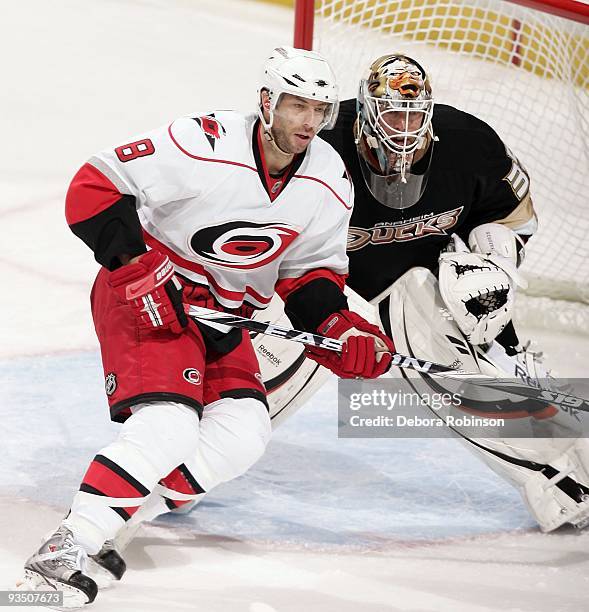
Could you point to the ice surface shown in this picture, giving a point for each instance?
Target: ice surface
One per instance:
(319, 523)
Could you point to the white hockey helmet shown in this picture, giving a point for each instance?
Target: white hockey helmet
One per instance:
(395, 109)
(301, 73)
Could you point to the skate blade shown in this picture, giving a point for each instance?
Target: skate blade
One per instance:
(184, 508)
(102, 577)
(73, 598)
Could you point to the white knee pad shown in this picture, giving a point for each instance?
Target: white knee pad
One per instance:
(154, 440)
(233, 436)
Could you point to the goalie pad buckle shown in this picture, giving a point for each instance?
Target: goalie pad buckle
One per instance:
(582, 520)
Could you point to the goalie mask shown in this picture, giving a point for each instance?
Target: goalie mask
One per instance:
(300, 73)
(393, 130)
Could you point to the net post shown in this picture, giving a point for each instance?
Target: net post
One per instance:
(304, 15)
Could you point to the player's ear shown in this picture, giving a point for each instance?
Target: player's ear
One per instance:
(265, 102)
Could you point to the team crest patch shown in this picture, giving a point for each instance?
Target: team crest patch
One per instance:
(192, 375)
(212, 129)
(423, 226)
(242, 245)
(110, 383)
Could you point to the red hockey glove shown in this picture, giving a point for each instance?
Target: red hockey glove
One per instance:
(153, 291)
(364, 355)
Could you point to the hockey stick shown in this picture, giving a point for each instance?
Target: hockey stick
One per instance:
(224, 321)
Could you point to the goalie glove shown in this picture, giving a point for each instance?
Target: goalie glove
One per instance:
(364, 355)
(477, 292)
(152, 290)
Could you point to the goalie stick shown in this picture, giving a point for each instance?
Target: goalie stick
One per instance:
(224, 321)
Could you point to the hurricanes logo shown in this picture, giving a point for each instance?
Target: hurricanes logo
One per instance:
(242, 245)
(421, 227)
(192, 375)
(260, 379)
(212, 129)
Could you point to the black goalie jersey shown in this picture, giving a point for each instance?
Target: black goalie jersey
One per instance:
(473, 179)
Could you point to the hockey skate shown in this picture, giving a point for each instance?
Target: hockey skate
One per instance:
(518, 362)
(106, 566)
(60, 564)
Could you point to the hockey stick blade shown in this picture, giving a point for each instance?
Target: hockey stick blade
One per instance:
(550, 398)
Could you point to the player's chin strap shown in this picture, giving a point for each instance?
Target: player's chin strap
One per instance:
(266, 127)
(269, 137)
(224, 321)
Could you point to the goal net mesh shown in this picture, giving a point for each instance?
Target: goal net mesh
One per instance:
(523, 71)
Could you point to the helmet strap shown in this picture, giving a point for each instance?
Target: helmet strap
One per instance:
(269, 138)
(267, 128)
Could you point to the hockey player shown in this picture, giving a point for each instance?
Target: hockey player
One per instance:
(442, 215)
(443, 211)
(430, 180)
(216, 210)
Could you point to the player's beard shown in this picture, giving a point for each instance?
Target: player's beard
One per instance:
(284, 143)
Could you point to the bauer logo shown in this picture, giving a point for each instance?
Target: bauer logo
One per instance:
(192, 375)
(110, 383)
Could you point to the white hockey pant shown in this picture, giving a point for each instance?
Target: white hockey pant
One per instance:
(233, 436)
(157, 438)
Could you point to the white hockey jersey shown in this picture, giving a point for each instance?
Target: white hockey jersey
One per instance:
(203, 197)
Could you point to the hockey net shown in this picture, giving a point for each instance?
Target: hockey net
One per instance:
(523, 70)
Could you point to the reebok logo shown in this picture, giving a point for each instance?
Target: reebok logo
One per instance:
(270, 356)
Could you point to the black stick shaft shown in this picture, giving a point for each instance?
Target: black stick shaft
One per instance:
(216, 318)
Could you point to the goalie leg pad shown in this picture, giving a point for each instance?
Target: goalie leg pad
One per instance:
(413, 313)
(550, 473)
(289, 377)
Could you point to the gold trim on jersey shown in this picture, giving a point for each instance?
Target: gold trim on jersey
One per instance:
(522, 214)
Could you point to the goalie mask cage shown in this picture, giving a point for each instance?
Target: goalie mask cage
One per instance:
(521, 67)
